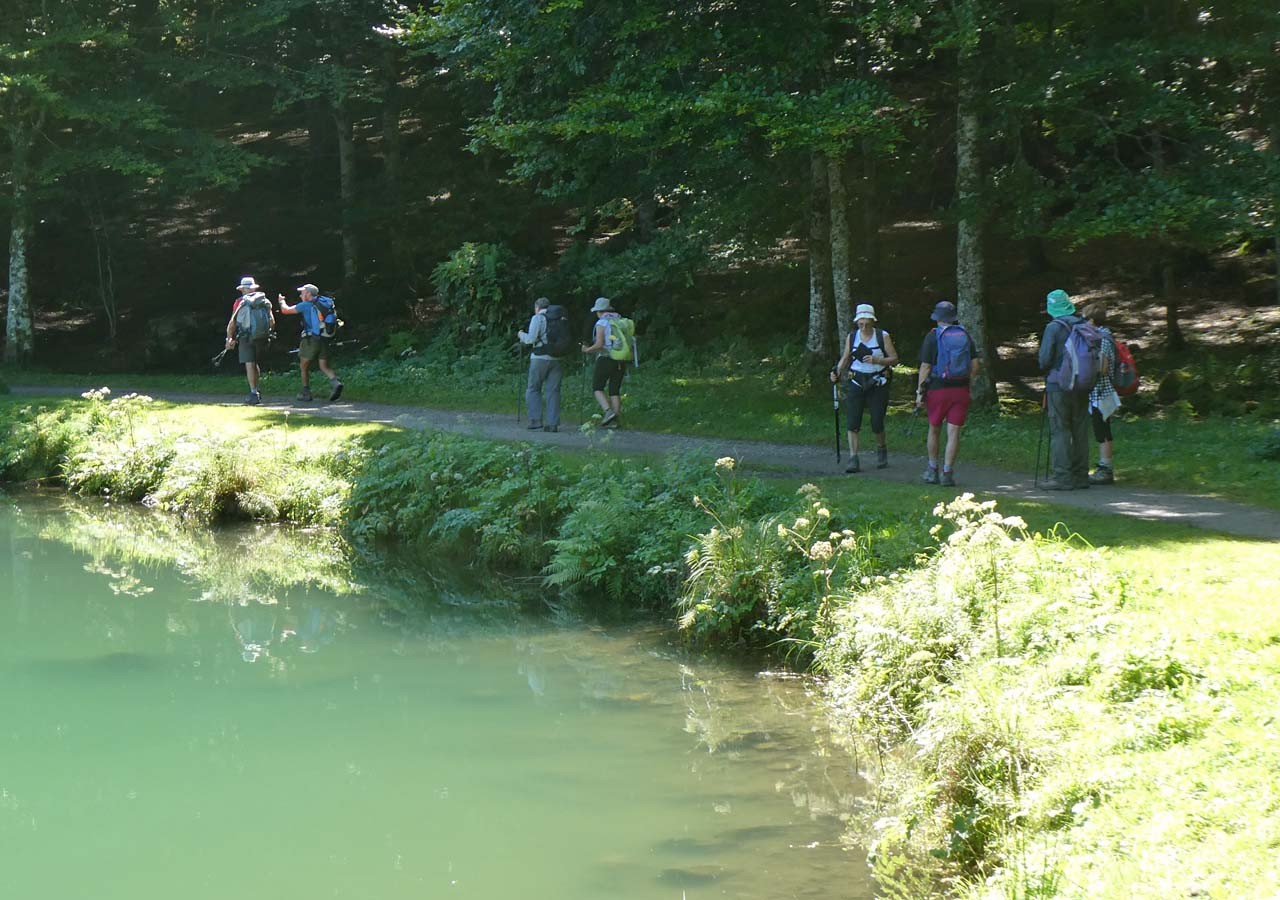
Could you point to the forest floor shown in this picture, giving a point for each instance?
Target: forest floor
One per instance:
(777, 459)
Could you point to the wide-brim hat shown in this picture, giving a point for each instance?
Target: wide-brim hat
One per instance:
(602, 304)
(944, 313)
(1058, 303)
(247, 284)
(864, 311)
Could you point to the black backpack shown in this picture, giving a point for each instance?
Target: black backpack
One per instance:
(557, 342)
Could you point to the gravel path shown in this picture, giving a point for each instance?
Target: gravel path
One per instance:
(1143, 503)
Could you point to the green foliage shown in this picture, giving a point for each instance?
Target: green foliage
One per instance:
(481, 285)
(1269, 447)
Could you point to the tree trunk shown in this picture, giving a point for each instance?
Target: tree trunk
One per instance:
(870, 256)
(1275, 216)
(1168, 284)
(391, 119)
(840, 274)
(646, 218)
(19, 341)
(970, 300)
(818, 341)
(347, 191)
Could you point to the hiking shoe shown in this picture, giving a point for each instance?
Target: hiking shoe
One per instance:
(253, 399)
(1054, 484)
(535, 426)
(610, 423)
(948, 479)
(930, 476)
(552, 428)
(1102, 475)
(336, 392)
(854, 466)
(882, 457)
(610, 416)
(305, 395)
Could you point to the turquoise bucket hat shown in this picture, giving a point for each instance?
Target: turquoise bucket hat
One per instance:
(1058, 303)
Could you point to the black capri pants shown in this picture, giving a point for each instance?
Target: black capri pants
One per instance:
(1101, 426)
(873, 397)
(608, 372)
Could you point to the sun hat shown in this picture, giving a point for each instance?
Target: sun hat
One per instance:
(310, 289)
(944, 312)
(602, 304)
(247, 284)
(1058, 303)
(864, 311)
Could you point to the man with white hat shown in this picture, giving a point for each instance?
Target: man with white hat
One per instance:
(251, 324)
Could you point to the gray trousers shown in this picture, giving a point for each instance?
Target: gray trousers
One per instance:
(1069, 436)
(544, 377)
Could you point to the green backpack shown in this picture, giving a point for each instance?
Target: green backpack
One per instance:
(621, 339)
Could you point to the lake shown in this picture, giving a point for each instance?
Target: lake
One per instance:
(258, 712)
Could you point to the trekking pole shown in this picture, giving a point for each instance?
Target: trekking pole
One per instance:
(519, 393)
(217, 360)
(835, 405)
(1044, 407)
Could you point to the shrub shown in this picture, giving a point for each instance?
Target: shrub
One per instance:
(481, 283)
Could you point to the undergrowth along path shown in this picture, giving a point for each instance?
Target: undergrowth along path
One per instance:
(775, 459)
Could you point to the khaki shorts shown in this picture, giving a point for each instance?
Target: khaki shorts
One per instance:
(251, 351)
(312, 348)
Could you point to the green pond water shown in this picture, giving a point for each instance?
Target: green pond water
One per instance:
(255, 713)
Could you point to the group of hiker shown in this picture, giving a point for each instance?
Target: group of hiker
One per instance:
(1085, 368)
(1086, 371)
(252, 325)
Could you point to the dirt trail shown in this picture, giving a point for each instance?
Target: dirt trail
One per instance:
(1139, 502)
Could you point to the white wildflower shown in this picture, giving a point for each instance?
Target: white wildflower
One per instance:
(821, 550)
(726, 462)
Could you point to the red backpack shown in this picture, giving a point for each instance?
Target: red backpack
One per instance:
(1124, 374)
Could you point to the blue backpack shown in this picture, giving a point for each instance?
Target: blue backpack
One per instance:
(1081, 357)
(954, 360)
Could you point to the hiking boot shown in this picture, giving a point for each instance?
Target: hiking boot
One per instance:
(305, 395)
(948, 479)
(253, 399)
(336, 392)
(608, 417)
(1102, 475)
(610, 423)
(882, 457)
(854, 465)
(535, 426)
(930, 476)
(1054, 484)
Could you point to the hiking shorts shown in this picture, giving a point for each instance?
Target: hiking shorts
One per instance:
(1101, 426)
(312, 348)
(608, 373)
(947, 403)
(251, 351)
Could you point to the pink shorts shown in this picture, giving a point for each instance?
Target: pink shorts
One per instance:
(949, 403)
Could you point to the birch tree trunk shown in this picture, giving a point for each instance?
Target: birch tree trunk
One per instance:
(840, 274)
(347, 191)
(818, 341)
(19, 341)
(970, 274)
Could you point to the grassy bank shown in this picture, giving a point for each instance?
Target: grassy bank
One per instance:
(1044, 717)
(736, 392)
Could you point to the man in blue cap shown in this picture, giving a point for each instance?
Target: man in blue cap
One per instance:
(1067, 402)
(948, 364)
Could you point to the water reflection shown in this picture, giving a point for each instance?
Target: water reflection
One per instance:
(412, 731)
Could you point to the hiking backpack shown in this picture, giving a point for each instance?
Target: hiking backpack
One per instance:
(620, 338)
(328, 312)
(1081, 358)
(1124, 372)
(253, 317)
(556, 342)
(954, 359)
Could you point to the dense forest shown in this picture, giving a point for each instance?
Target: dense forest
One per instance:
(717, 167)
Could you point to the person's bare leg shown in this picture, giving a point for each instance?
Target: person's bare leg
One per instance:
(931, 445)
(853, 443)
(603, 401)
(953, 446)
(305, 367)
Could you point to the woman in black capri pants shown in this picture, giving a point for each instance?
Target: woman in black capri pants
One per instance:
(868, 357)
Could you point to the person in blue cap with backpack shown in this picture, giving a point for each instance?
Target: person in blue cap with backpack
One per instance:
(1070, 351)
(948, 364)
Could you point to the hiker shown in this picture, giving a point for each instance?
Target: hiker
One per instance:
(251, 327)
(868, 357)
(545, 369)
(948, 363)
(1103, 399)
(314, 343)
(1064, 358)
(608, 372)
